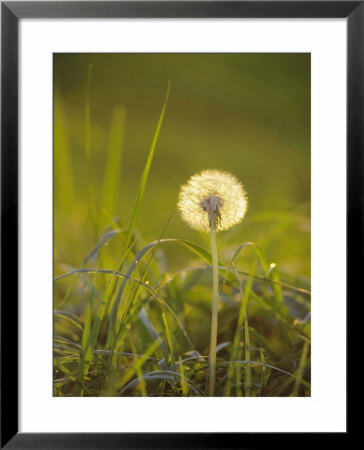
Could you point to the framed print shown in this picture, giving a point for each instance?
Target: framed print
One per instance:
(181, 197)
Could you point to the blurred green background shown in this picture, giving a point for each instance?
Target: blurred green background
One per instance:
(248, 114)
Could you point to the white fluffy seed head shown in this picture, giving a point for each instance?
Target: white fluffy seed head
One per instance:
(212, 196)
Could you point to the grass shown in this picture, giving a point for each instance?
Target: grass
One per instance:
(132, 325)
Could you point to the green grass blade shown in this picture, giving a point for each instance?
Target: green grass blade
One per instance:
(87, 326)
(112, 175)
(168, 337)
(63, 340)
(139, 363)
(183, 378)
(245, 295)
(89, 343)
(70, 317)
(128, 354)
(103, 239)
(300, 369)
(91, 258)
(259, 253)
(139, 374)
(144, 178)
(65, 349)
(248, 370)
(144, 319)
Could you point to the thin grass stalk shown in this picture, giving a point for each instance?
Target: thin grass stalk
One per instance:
(245, 294)
(142, 384)
(263, 380)
(145, 174)
(238, 371)
(300, 369)
(248, 370)
(183, 378)
(88, 348)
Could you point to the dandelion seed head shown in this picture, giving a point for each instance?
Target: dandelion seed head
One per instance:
(212, 195)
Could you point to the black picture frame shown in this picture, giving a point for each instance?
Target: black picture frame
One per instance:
(11, 12)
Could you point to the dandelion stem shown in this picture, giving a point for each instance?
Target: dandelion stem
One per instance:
(215, 298)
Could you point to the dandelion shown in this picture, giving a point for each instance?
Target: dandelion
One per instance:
(212, 194)
(211, 201)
